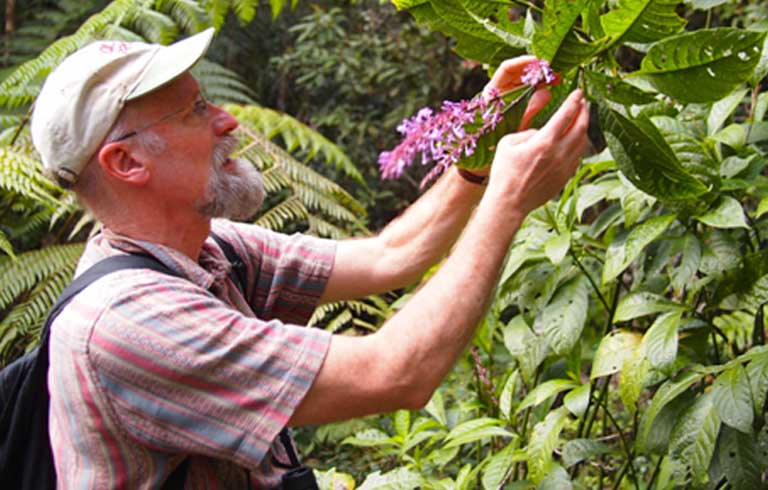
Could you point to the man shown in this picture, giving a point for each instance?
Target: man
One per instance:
(148, 369)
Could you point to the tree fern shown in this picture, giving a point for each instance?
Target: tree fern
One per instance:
(221, 85)
(154, 26)
(21, 173)
(295, 135)
(26, 318)
(5, 245)
(188, 14)
(29, 268)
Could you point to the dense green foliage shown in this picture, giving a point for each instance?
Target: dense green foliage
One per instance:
(625, 344)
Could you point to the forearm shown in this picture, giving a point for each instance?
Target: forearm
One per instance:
(403, 251)
(401, 364)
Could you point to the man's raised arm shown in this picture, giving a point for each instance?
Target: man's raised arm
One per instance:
(405, 249)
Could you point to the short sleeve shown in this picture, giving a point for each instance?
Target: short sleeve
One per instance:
(185, 372)
(287, 274)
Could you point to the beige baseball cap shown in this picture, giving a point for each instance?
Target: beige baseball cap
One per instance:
(82, 98)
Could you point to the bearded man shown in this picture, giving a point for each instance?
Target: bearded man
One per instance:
(148, 370)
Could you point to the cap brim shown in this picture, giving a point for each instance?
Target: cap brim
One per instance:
(172, 61)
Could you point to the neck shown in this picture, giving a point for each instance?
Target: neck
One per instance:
(185, 234)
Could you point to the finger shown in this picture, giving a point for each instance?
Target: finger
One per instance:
(564, 117)
(577, 129)
(508, 75)
(517, 138)
(538, 100)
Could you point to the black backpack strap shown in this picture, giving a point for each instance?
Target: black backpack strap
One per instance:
(238, 273)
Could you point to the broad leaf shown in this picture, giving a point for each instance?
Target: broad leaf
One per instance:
(683, 274)
(634, 372)
(692, 154)
(497, 467)
(455, 14)
(757, 370)
(507, 393)
(563, 318)
(577, 450)
(613, 349)
(543, 441)
(727, 213)
(664, 395)
(615, 89)
(722, 110)
(646, 159)
(642, 21)
(732, 398)
(557, 247)
(556, 22)
(528, 349)
(694, 436)
(394, 480)
(660, 341)
(370, 438)
(618, 258)
(544, 391)
(740, 460)
(704, 65)
(641, 303)
(556, 478)
(577, 400)
(474, 430)
(402, 422)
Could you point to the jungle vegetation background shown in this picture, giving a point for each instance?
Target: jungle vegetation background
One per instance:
(625, 344)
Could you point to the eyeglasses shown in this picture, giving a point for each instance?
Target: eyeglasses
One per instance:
(199, 108)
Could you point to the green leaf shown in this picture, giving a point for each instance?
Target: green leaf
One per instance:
(544, 391)
(704, 65)
(642, 21)
(762, 207)
(706, 4)
(436, 408)
(683, 274)
(642, 303)
(370, 438)
(733, 135)
(739, 459)
(613, 349)
(646, 159)
(727, 213)
(563, 318)
(722, 110)
(694, 436)
(455, 14)
(397, 479)
(475, 430)
(732, 397)
(665, 394)
(528, 349)
(557, 247)
(556, 478)
(602, 86)
(510, 33)
(507, 393)
(577, 400)
(660, 341)
(757, 370)
(692, 153)
(557, 20)
(577, 450)
(618, 257)
(497, 467)
(542, 442)
(402, 422)
(634, 371)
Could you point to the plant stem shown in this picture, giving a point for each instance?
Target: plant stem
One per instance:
(622, 472)
(601, 397)
(623, 442)
(655, 472)
(529, 6)
(589, 278)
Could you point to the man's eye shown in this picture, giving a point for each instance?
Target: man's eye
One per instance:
(200, 108)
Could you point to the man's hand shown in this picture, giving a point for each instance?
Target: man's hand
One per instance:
(532, 166)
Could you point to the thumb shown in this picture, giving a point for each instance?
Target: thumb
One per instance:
(538, 100)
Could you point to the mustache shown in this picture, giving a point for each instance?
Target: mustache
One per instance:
(224, 149)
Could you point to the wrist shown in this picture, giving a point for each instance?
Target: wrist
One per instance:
(476, 177)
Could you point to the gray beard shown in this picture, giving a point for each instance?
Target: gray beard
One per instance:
(236, 194)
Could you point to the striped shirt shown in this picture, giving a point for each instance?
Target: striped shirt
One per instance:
(148, 368)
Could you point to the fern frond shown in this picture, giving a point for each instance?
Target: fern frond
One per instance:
(32, 223)
(324, 310)
(296, 135)
(26, 319)
(153, 25)
(275, 179)
(221, 85)
(321, 227)
(5, 245)
(22, 174)
(287, 211)
(218, 10)
(10, 120)
(29, 268)
(266, 153)
(186, 13)
(41, 65)
(245, 9)
(337, 323)
(316, 201)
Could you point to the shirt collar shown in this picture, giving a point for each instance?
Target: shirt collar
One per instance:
(212, 267)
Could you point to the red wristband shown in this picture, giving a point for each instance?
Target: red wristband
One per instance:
(473, 178)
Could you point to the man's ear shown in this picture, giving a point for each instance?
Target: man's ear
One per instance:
(118, 161)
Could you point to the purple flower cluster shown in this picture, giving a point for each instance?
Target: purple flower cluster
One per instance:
(443, 138)
(536, 72)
